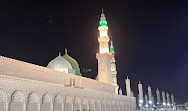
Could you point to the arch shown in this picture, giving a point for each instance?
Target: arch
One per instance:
(16, 102)
(92, 101)
(17, 96)
(68, 104)
(46, 98)
(2, 100)
(46, 102)
(84, 100)
(84, 104)
(33, 97)
(58, 100)
(2, 96)
(77, 104)
(68, 100)
(32, 101)
(77, 100)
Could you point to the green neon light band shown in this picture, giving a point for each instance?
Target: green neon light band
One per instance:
(103, 23)
(111, 49)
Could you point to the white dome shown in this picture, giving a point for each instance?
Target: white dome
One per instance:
(60, 64)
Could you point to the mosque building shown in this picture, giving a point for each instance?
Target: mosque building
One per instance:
(61, 87)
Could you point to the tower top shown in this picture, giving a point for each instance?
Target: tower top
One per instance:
(103, 21)
(59, 53)
(65, 50)
(111, 47)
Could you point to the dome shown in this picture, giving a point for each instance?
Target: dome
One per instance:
(73, 63)
(60, 64)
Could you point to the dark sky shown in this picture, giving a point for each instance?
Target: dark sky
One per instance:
(150, 38)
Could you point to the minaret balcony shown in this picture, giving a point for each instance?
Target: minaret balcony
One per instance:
(103, 28)
(103, 39)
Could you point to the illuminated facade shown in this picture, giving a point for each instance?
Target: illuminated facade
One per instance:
(60, 86)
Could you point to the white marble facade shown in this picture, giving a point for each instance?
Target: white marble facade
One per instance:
(28, 87)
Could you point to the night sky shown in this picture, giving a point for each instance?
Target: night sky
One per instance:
(150, 38)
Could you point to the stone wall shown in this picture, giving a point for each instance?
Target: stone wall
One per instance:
(19, 69)
(17, 94)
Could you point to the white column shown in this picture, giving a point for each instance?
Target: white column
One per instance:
(6, 106)
(164, 100)
(146, 100)
(140, 95)
(24, 106)
(158, 97)
(51, 106)
(128, 86)
(39, 105)
(172, 99)
(150, 95)
(168, 99)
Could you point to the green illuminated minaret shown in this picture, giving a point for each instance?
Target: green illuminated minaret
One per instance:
(113, 68)
(104, 56)
(112, 47)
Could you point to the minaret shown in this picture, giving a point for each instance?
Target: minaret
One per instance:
(164, 100)
(168, 98)
(158, 97)
(140, 95)
(150, 95)
(146, 100)
(172, 99)
(104, 57)
(113, 68)
(128, 86)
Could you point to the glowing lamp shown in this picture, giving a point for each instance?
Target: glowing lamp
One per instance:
(141, 101)
(150, 102)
